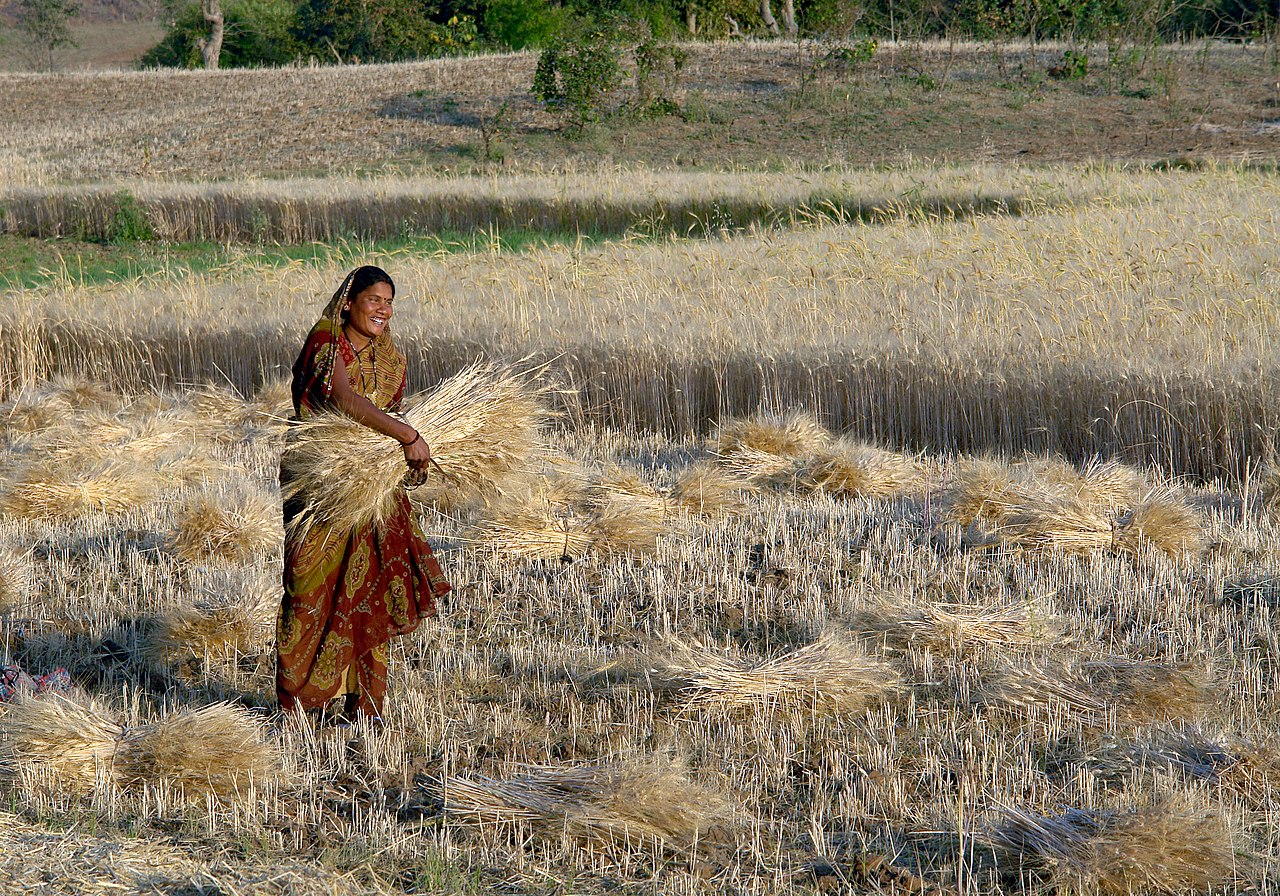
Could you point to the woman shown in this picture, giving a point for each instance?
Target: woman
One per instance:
(347, 594)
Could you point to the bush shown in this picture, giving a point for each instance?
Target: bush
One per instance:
(577, 72)
(129, 223)
(258, 32)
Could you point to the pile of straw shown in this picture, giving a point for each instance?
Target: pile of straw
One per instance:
(1056, 523)
(856, 470)
(217, 749)
(762, 469)
(1135, 692)
(624, 485)
(233, 525)
(79, 747)
(52, 740)
(482, 425)
(709, 491)
(983, 491)
(638, 803)
(16, 573)
(535, 533)
(957, 630)
(829, 676)
(794, 434)
(211, 631)
(1169, 847)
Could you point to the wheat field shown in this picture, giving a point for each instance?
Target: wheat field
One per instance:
(1124, 313)
(801, 688)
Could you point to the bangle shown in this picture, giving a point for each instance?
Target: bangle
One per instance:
(417, 436)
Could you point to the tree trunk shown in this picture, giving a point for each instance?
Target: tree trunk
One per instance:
(211, 47)
(789, 18)
(691, 19)
(735, 30)
(766, 13)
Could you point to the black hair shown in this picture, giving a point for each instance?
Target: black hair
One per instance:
(367, 276)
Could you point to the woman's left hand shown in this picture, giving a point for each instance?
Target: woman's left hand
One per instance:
(417, 454)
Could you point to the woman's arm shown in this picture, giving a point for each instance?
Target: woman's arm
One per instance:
(360, 409)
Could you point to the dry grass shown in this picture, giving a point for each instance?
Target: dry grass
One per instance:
(53, 741)
(1058, 524)
(1177, 846)
(983, 490)
(482, 426)
(636, 802)
(219, 750)
(232, 525)
(536, 533)
(831, 675)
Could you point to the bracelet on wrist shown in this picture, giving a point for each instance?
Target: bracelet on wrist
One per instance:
(417, 437)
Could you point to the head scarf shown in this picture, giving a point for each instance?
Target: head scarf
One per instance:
(331, 320)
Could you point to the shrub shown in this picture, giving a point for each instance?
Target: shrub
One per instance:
(578, 70)
(129, 223)
(519, 24)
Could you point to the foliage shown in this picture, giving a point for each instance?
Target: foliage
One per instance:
(258, 32)
(45, 27)
(129, 224)
(578, 71)
(378, 30)
(1074, 66)
(519, 24)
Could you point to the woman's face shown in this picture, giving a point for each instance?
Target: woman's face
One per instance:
(369, 312)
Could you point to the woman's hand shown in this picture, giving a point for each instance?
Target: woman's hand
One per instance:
(417, 454)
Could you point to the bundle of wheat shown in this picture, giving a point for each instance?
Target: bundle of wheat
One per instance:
(1063, 524)
(1111, 486)
(983, 490)
(1053, 688)
(947, 629)
(231, 524)
(481, 425)
(1173, 846)
(218, 749)
(855, 470)
(830, 675)
(52, 739)
(55, 491)
(537, 532)
(624, 485)
(622, 525)
(1143, 691)
(222, 406)
(639, 803)
(210, 630)
(1164, 521)
(794, 434)
(708, 490)
(762, 469)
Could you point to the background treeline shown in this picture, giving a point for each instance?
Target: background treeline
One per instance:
(272, 32)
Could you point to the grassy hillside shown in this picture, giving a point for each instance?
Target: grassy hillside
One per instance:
(747, 105)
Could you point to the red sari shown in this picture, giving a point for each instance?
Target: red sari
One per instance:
(346, 594)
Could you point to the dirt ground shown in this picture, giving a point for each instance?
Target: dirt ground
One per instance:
(742, 105)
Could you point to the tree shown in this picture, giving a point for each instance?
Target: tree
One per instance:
(256, 32)
(46, 27)
(211, 47)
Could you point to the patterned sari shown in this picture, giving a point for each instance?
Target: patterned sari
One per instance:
(347, 594)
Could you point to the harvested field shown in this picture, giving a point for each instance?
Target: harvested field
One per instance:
(863, 686)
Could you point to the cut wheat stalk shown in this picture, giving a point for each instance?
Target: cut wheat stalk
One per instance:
(1163, 521)
(640, 803)
(482, 425)
(208, 630)
(830, 675)
(1172, 846)
(947, 629)
(708, 490)
(536, 533)
(851, 469)
(52, 491)
(54, 740)
(218, 749)
(794, 434)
